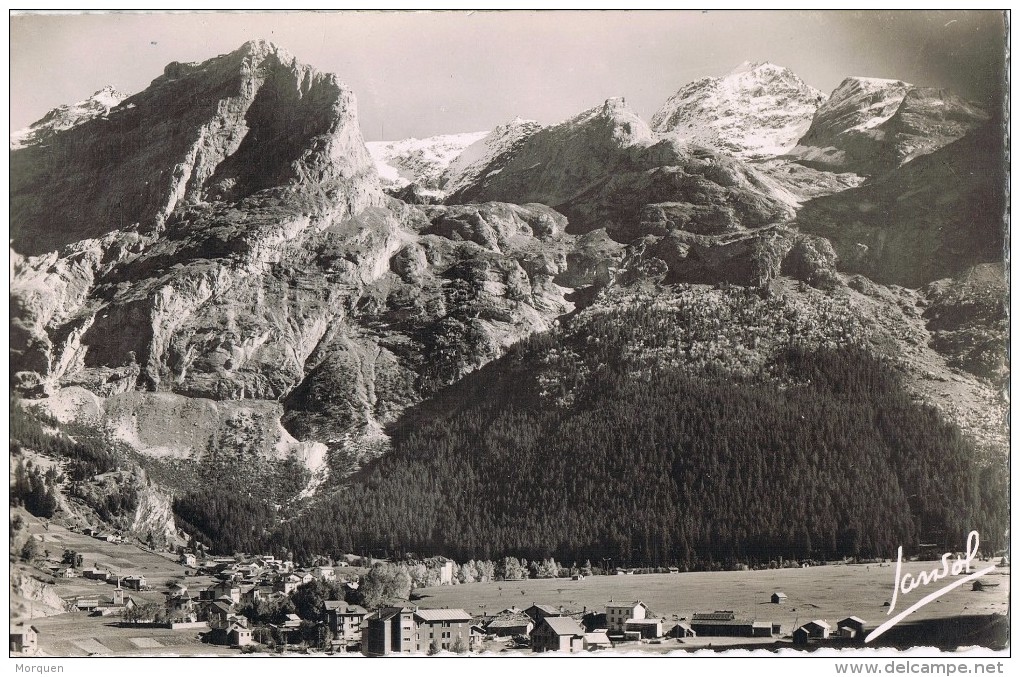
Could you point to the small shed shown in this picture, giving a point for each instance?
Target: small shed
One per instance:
(779, 598)
(593, 641)
(851, 627)
(238, 635)
(650, 628)
(817, 629)
(801, 636)
(683, 629)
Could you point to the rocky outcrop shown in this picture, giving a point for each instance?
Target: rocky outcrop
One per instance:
(871, 125)
(603, 168)
(756, 110)
(487, 156)
(968, 318)
(934, 216)
(225, 129)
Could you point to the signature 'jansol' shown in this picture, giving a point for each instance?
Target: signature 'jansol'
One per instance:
(906, 583)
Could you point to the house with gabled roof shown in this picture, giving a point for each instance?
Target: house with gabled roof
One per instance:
(851, 627)
(536, 612)
(238, 635)
(558, 633)
(510, 624)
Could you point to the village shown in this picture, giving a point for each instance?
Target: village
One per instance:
(263, 604)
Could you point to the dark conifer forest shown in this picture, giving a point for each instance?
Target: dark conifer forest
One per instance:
(821, 454)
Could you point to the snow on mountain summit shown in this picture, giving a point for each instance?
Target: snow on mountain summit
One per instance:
(421, 161)
(68, 116)
(755, 110)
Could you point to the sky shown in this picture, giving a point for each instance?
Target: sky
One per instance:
(417, 74)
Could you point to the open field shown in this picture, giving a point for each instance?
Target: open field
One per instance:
(76, 634)
(826, 592)
(829, 593)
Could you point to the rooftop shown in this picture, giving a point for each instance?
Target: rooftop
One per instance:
(564, 626)
(429, 615)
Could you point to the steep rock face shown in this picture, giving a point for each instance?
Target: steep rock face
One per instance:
(936, 215)
(926, 120)
(67, 116)
(969, 320)
(604, 167)
(488, 155)
(757, 110)
(871, 125)
(221, 130)
(421, 161)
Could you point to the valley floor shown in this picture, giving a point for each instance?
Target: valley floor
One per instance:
(830, 593)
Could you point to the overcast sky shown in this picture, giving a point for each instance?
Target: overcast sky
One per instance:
(425, 73)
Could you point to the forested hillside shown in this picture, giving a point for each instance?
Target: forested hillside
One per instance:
(816, 451)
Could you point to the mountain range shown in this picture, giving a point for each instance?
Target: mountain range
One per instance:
(219, 269)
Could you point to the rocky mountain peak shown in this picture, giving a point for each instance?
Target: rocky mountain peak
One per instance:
(755, 110)
(230, 127)
(871, 125)
(67, 116)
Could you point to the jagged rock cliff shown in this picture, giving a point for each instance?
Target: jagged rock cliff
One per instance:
(606, 169)
(225, 129)
(871, 125)
(933, 217)
(212, 262)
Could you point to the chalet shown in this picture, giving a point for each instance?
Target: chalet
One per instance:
(779, 598)
(801, 636)
(222, 589)
(477, 636)
(726, 624)
(618, 613)
(577, 577)
(304, 577)
(648, 628)
(287, 584)
(389, 630)
(238, 635)
(817, 629)
(86, 604)
(96, 574)
(218, 614)
(178, 589)
(110, 538)
(63, 571)
(89, 531)
(188, 559)
(24, 639)
(510, 624)
(324, 573)
(851, 627)
(536, 612)
(683, 630)
(594, 641)
(133, 582)
(442, 626)
(557, 633)
(345, 620)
